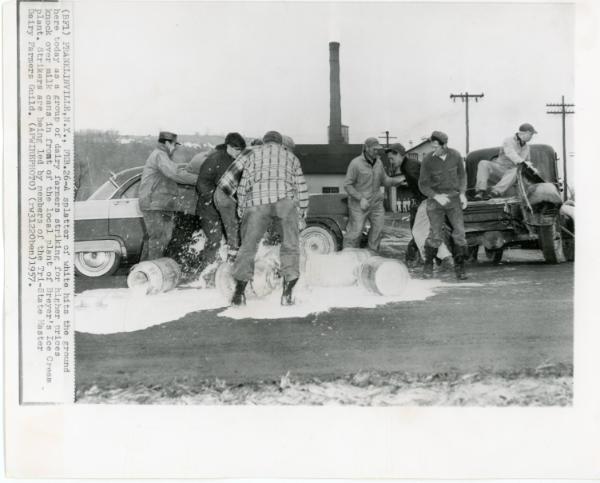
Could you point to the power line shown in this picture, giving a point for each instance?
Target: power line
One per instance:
(563, 112)
(387, 138)
(465, 98)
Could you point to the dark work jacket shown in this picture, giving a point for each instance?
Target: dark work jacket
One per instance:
(211, 171)
(443, 176)
(411, 168)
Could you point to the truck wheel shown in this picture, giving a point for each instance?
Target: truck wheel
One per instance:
(96, 264)
(568, 241)
(495, 255)
(551, 243)
(317, 239)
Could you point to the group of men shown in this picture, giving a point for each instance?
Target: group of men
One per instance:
(243, 190)
(438, 185)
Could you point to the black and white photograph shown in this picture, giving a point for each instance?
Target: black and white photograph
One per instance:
(324, 204)
(265, 209)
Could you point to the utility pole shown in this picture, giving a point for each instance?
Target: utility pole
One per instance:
(387, 138)
(465, 98)
(563, 112)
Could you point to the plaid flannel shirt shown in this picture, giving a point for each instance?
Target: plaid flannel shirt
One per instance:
(266, 174)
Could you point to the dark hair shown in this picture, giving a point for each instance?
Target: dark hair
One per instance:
(257, 142)
(235, 140)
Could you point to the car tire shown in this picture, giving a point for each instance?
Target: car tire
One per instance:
(551, 243)
(317, 239)
(96, 264)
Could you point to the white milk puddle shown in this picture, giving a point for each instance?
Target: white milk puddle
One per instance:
(311, 300)
(107, 311)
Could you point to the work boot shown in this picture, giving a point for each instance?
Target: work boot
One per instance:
(286, 296)
(481, 195)
(430, 253)
(446, 264)
(459, 263)
(239, 294)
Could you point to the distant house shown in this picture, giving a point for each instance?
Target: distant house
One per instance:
(419, 151)
(325, 165)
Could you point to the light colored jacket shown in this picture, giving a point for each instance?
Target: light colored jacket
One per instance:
(513, 153)
(364, 180)
(158, 189)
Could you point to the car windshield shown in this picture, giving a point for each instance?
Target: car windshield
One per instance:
(105, 191)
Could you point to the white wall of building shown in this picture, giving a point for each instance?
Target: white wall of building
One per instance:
(316, 182)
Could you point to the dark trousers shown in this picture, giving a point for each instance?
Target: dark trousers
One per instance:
(210, 222)
(255, 221)
(437, 218)
(159, 225)
(227, 208)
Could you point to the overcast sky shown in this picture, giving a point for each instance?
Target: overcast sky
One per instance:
(251, 67)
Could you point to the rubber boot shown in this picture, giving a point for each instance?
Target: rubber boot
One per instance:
(459, 263)
(286, 296)
(239, 295)
(430, 253)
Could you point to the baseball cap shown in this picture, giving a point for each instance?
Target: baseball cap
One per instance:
(439, 136)
(372, 142)
(396, 147)
(527, 127)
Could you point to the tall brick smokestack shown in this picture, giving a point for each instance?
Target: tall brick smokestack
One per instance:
(335, 105)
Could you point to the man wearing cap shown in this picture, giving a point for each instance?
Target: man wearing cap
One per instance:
(158, 194)
(364, 179)
(503, 170)
(444, 181)
(212, 219)
(419, 221)
(271, 188)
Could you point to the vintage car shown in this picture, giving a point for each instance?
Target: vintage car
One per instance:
(110, 230)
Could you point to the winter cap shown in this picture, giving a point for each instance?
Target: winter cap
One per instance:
(527, 128)
(272, 137)
(167, 136)
(439, 136)
(288, 142)
(372, 142)
(397, 148)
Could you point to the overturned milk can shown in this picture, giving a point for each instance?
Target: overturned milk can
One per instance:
(154, 276)
(383, 276)
(339, 269)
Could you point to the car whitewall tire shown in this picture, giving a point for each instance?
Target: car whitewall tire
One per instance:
(97, 264)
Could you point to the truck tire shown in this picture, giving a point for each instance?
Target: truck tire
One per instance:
(551, 243)
(318, 239)
(96, 264)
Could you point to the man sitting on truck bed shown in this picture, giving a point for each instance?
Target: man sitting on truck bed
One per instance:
(503, 170)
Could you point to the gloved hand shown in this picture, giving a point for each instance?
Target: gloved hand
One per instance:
(442, 199)
(463, 201)
(364, 204)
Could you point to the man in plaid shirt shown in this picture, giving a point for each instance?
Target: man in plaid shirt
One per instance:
(270, 187)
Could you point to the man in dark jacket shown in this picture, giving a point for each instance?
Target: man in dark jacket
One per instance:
(419, 221)
(444, 181)
(158, 194)
(211, 219)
